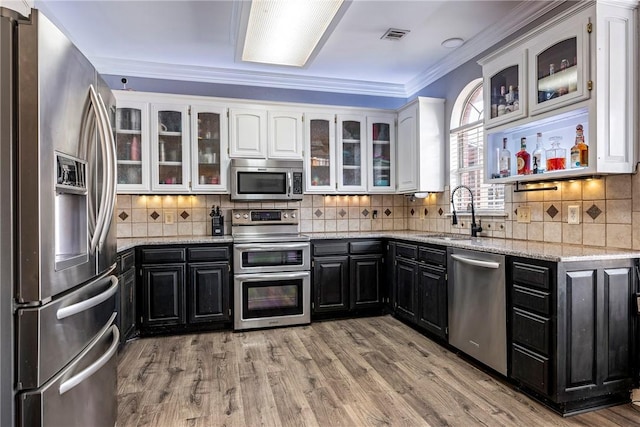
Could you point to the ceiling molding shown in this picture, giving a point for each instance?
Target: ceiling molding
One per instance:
(130, 68)
(520, 17)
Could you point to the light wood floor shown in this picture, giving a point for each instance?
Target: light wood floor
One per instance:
(358, 372)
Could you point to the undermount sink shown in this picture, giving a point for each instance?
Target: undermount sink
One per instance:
(450, 236)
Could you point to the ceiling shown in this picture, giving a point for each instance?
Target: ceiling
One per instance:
(196, 41)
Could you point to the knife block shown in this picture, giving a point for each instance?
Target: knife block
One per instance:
(217, 225)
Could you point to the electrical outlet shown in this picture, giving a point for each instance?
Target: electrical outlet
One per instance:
(524, 214)
(168, 218)
(573, 215)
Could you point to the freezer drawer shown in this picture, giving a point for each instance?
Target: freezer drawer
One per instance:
(51, 335)
(83, 394)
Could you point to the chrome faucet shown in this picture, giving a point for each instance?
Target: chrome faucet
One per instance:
(475, 228)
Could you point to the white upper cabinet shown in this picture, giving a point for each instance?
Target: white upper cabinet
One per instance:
(504, 88)
(420, 146)
(320, 152)
(285, 135)
(559, 72)
(260, 133)
(171, 144)
(351, 153)
(133, 147)
(581, 71)
(209, 142)
(381, 149)
(170, 165)
(248, 133)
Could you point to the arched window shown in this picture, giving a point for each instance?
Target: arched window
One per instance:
(466, 154)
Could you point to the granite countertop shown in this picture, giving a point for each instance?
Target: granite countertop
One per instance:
(537, 250)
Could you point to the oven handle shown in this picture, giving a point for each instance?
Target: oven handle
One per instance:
(262, 277)
(262, 247)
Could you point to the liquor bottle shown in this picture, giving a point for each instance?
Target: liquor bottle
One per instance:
(580, 150)
(537, 160)
(502, 102)
(523, 158)
(505, 160)
(494, 102)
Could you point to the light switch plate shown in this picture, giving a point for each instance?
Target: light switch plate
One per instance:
(168, 218)
(573, 215)
(524, 214)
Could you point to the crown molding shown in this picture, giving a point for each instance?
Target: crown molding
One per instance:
(523, 15)
(128, 67)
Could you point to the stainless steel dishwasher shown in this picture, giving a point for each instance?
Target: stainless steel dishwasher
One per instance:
(477, 306)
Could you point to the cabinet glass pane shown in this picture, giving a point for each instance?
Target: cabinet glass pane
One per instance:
(557, 70)
(351, 157)
(381, 152)
(128, 145)
(320, 158)
(209, 148)
(505, 97)
(170, 147)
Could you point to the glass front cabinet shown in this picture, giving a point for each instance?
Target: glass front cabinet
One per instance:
(209, 154)
(132, 147)
(170, 147)
(352, 153)
(559, 71)
(381, 154)
(568, 123)
(320, 158)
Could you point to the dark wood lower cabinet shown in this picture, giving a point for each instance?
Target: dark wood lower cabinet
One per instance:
(405, 289)
(179, 295)
(126, 301)
(420, 286)
(432, 299)
(163, 294)
(331, 284)
(208, 292)
(572, 329)
(366, 274)
(347, 276)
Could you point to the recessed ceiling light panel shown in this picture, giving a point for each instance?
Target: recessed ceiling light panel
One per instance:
(285, 32)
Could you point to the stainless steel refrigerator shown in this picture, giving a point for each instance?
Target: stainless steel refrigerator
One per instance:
(58, 340)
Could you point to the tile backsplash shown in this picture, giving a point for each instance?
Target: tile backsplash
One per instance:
(187, 215)
(609, 213)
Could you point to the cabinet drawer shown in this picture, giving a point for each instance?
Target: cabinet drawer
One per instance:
(530, 368)
(531, 331)
(432, 255)
(531, 299)
(331, 248)
(406, 251)
(531, 275)
(152, 256)
(208, 253)
(127, 260)
(366, 247)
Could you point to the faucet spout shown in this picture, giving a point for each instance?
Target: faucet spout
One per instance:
(475, 228)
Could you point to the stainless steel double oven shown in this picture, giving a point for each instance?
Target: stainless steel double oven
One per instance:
(272, 278)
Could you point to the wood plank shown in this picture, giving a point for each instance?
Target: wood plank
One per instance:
(354, 372)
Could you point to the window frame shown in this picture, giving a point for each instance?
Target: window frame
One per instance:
(489, 199)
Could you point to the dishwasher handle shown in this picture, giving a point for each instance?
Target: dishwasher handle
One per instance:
(476, 262)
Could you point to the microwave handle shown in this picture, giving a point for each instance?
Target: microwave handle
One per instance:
(290, 179)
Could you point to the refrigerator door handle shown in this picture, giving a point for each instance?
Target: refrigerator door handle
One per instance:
(95, 239)
(110, 148)
(88, 303)
(95, 366)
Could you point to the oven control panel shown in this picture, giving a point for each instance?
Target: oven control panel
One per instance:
(264, 216)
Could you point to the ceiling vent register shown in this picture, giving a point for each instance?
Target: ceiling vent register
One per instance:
(394, 34)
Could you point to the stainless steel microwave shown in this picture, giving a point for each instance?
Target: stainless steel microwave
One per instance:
(258, 179)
